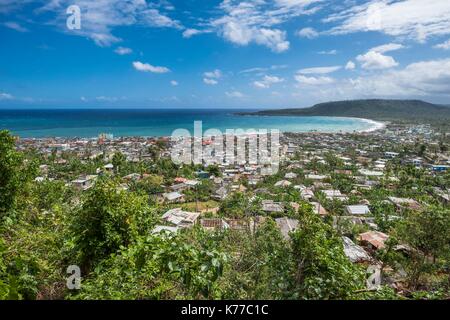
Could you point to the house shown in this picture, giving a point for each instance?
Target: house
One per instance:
(220, 193)
(335, 195)
(357, 210)
(213, 224)
(270, 206)
(181, 218)
(238, 224)
(290, 175)
(202, 175)
(316, 177)
(319, 209)
(191, 183)
(179, 187)
(373, 239)
(355, 253)
(307, 194)
(283, 184)
(173, 197)
(84, 183)
(391, 155)
(370, 173)
(440, 168)
(286, 225)
(405, 203)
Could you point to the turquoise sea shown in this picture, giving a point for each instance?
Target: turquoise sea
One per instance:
(159, 122)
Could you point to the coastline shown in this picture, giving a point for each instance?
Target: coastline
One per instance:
(377, 125)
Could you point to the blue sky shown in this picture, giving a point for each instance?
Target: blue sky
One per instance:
(217, 54)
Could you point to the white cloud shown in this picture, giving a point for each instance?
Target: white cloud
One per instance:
(101, 17)
(235, 94)
(259, 69)
(267, 81)
(308, 33)
(174, 83)
(374, 60)
(15, 26)
(445, 45)
(255, 21)
(216, 74)
(313, 81)
(414, 19)
(145, 67)
(330, 52)
(388, 47)
(123, 51)
(420, 79)
(6, 96)
(190, 32)
(210, 81)
(350, 65)
(320, 70)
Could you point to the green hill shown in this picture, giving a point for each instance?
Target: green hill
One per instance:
(388, 110)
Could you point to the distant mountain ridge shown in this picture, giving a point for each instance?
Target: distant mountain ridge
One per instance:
(376, 109)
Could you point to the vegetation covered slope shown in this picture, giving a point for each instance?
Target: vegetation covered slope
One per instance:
(409, 110)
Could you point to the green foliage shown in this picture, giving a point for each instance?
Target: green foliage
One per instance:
(15, 173)
(322, 269)
(108, 219)
(261, 265)
(158, 267)
(427, 233)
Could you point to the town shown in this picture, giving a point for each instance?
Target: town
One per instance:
(361, 185)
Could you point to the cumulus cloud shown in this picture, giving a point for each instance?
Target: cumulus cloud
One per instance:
(101, 17)
(445, 45)
(375, 59)
(246, 22)
(174, 83)
(420, 79)
(267, 81)
(145, 67)
(216, 74)
(313, 81)
(123, 51)
(414, 19)
(350, 65)
(308, 33)
(211, 82)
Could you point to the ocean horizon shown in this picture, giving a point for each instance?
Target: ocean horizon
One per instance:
(87, 123)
